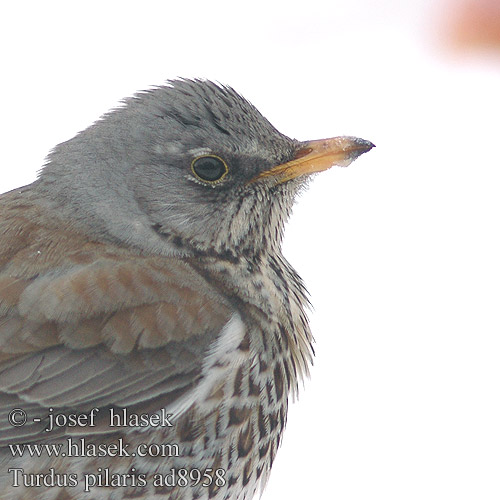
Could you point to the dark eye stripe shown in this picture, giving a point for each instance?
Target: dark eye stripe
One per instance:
(209, 168)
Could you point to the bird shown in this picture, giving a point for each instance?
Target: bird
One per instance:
(152, 333)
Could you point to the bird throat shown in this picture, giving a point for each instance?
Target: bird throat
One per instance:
(272, 296)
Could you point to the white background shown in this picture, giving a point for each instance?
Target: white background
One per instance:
(400, 251)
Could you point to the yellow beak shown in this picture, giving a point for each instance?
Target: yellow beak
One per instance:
(316, 156)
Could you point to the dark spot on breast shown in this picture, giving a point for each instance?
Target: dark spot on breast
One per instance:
(262, 423)
(229, 256)
(186, 431)
(218, 424)
(262, 365)
(264, 339)
(279, 343)
(263, 450)
(284, 334)
(278, 440)
(253, 389)
(237, 382)
(259, 471)
(271, 456)
(269, 390)
(245, 441)
(287, 374)
(273, 421)
(216, 395)
(282, 417)
(278, 272)
(177, 241)
(292, 360)
(278, 381)
(247, 473)
(213, 489)
(245, 343)
(238, 415)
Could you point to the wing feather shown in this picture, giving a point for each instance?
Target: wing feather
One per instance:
(85, 323)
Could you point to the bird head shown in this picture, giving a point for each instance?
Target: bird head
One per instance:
(189, 167)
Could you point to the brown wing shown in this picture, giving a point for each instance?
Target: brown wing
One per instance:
(85, 324)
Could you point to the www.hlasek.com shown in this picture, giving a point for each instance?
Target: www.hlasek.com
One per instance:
(79, 447)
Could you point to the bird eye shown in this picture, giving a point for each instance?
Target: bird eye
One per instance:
(209, 168)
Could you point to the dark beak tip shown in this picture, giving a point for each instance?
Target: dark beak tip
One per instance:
(364, 146)
(359, 147)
